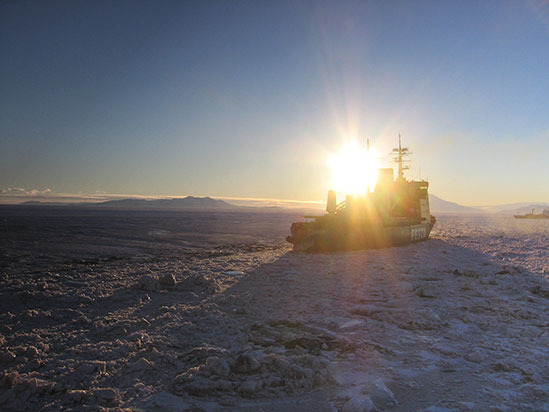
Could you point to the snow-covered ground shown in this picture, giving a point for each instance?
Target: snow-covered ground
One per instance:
(210, 311)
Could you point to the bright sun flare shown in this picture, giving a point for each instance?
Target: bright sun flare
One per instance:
(353, 169)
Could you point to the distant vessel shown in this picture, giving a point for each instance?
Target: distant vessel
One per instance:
(543, 215)
(396, 213)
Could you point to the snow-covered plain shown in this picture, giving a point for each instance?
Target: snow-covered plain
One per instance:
(174, 311)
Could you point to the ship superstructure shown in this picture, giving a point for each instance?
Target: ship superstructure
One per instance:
(397, 212)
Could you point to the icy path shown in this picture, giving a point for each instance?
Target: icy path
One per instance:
(426, 326)
(457, 323)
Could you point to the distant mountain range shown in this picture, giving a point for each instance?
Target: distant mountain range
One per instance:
(189, 202)
(438, 205)
(516, 208)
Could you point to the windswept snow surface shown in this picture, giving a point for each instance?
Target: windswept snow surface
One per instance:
(174, 311)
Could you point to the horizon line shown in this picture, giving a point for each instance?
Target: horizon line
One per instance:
(48, 196)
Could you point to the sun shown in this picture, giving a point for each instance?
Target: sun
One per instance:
(354, 169)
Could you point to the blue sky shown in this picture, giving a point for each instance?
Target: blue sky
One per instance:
(248, 99)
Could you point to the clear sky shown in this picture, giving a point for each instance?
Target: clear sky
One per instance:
(249, 98)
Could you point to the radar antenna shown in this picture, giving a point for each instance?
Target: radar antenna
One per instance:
(398, 154)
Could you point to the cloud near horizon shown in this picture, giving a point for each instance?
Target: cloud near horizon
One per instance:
(19, 191)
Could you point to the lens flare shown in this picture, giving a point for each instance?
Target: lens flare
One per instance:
(354, 169)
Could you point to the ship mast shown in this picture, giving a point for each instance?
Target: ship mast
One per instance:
(398, 154)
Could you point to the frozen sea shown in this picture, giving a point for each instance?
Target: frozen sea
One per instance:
(210, 310)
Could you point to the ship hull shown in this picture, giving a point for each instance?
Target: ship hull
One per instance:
(356, 237)
(542, 216)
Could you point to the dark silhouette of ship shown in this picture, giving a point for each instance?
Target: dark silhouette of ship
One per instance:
(531, 215)
(396, 213)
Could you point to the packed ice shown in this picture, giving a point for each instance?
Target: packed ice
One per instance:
(212, 311)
